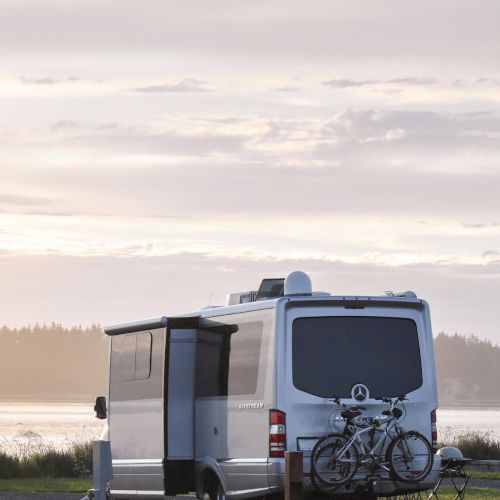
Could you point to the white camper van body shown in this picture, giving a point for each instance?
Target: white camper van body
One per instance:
(190, 396)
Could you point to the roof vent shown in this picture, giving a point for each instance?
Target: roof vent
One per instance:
(270, 288)
(298, 283)
(408, 294)
(241, 298)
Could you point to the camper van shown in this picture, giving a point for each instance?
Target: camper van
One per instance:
(211, 401)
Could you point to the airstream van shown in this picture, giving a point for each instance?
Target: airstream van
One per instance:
(210, 401)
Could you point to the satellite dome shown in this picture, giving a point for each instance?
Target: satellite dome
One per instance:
(298, 283)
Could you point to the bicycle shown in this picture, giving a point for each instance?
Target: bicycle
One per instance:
(336, 457)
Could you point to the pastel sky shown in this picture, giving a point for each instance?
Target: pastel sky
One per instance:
(155, 155)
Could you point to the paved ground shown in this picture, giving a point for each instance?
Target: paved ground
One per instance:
(481, 483)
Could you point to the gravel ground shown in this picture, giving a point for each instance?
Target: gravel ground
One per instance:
(5, 495)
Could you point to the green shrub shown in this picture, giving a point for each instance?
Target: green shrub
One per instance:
(9, 466)
(476, 445)
(30, 458)
(83, 459)
(55, 463)
(28, 468)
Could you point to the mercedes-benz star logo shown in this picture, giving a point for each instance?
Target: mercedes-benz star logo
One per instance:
(359, 392)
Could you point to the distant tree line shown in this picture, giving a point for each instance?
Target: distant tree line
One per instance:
(49, 362)
(468, 370)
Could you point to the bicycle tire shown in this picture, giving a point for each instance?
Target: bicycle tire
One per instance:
(332, 463)
(410, 457)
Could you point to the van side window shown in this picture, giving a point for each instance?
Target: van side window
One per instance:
(133, 355)
(212, 364)
(228, 364)
(244, 359)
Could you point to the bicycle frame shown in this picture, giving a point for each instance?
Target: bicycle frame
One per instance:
(389, 429)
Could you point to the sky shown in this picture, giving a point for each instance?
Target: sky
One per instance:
(155, 156)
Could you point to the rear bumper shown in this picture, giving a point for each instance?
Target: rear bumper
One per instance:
(380, 486)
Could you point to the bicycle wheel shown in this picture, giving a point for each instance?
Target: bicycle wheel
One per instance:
(332, 462)
(410, 457)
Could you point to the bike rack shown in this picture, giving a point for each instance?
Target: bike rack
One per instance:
(453, 470)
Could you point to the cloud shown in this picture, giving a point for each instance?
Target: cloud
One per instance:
(31, 80)
(465, 36)
(183, 282)
(65, 125)
(412, 80)
(480, 225)
(347, 82)
(186, 85)
(489, 81)
(286, 89)
(143, 140)
(446, 133)
(409, 81)
(23, 200)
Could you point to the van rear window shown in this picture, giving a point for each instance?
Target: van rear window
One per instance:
(332, 354)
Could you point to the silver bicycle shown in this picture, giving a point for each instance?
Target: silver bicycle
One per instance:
(375, 444)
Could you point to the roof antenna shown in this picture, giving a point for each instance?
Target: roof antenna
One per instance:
(211, 294)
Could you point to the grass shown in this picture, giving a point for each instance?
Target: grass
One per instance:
(28, 455)
(471, 493)
(474, 444)
(66, 484)
(476, 474)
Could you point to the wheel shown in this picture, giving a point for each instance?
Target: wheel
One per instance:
(410, 457)
(332, 462)
(212, 488)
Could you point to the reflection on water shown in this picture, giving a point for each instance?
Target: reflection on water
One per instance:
(57, 424)
(456, 420)
(63, 423)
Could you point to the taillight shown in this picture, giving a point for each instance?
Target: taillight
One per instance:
(277, 433)
(434, 431)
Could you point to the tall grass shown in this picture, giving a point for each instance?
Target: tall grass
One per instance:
(474, 444)
(28, 455)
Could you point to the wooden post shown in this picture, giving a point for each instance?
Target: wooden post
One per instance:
(294, 475)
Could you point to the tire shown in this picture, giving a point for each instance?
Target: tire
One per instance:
(212, 488)
(410, 457)
(332, 463)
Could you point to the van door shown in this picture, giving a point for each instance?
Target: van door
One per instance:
(136, 406)
(234, 394)
(329, 350)
(179, 404)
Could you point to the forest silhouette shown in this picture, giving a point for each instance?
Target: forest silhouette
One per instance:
(53, 363)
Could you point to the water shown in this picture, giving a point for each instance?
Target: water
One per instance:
(59, 424)
(457, 420)
(63, 423)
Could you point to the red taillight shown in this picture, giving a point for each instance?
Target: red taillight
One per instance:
(277, 433)
(434, 431)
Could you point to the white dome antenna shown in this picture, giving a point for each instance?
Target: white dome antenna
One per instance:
(298, 283)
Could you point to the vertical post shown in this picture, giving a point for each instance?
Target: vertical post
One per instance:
(102, 468)
(294, 475)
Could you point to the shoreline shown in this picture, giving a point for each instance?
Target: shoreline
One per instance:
(49, 401)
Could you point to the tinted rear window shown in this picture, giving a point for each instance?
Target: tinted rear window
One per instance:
(332, 354)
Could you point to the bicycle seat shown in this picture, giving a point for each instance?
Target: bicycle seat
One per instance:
(350, 413)
(397, 412)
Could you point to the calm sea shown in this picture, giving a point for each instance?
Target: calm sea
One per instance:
(62, 424)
